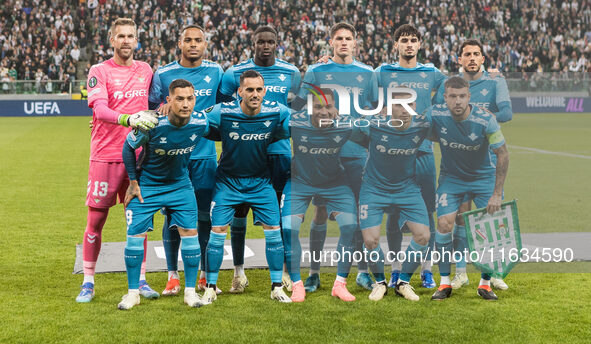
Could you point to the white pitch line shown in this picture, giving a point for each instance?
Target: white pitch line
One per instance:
(552, 153)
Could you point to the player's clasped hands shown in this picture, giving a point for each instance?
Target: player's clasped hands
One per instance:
(143, 120)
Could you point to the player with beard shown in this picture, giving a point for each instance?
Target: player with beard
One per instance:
(206, 78)
(117, 88)
(489, 92)
(281, 79)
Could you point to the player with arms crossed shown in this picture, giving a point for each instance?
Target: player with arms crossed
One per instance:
(116, 88)
(281, 78)
(317, 173)
(163, 181)
(492, 94)
(342, 69)
(390, 186)
(206, 77)
(423, 79)
(465, 133)
(246, 129)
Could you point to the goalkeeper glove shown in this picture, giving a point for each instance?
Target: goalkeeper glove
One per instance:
(143, 120)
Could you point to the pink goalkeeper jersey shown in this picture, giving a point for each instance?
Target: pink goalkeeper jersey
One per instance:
(125, 91)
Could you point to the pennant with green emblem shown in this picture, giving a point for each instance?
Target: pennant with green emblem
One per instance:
(495, 238)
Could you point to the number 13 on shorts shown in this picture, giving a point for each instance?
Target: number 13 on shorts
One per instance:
(100, 188)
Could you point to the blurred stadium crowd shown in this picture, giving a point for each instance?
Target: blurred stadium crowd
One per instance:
(45, 40)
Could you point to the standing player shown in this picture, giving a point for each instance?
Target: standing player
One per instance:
(492, 94)
(163, 181)
(116, 88)
(465, 133)
(281, 78)
(246, 128)
(423, 79)
(343, 70)
(389, 186)
(206, 77)
(317, 173)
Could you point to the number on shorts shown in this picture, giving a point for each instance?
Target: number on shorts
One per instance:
(104, 187)
(129, 216)
(363, 211)
(441, 200)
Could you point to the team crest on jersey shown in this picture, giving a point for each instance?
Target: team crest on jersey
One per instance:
(207, 79)
(473, 136)
(92, 82)
(282, 77)
(163, 139)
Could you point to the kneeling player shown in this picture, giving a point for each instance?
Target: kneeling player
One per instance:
(246, 128)
(389, 185)
(164, 181)
(465, 132)
(318, 173)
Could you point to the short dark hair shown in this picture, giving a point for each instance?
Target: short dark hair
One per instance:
(179, 83)
(406, 30)
(190, 27)
(328, 92)
(471, 42)
(251, 73)
(264, 28)
(456, 82)
(342, 25)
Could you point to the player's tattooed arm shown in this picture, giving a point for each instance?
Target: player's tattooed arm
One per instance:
(133, 191)
(494, 204)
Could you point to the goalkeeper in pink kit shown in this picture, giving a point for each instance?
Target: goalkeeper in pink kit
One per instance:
(118, 95)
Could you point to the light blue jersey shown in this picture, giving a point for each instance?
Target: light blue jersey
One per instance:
(206, 79)
(393, 153)
(167, 150)
(423, 79)
(280, 79)
(316, 152)
(465, 145)
(352, 75)
(488, 93)
(245, 139)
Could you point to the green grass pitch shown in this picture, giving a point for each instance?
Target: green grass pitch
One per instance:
(43, 174)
